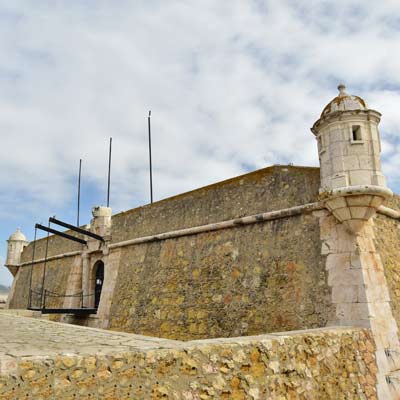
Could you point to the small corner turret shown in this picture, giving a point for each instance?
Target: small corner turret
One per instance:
(15, 245)
(349, 147)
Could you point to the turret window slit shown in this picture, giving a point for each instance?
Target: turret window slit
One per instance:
(356, 131)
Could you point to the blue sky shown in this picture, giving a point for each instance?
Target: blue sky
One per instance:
(233, 86)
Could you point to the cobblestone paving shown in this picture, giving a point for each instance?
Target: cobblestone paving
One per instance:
(25, 337)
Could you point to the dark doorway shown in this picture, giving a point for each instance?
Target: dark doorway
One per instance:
(99, 279)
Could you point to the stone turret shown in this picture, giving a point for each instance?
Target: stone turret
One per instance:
(15, 244)
(101, 222)
(349, 148)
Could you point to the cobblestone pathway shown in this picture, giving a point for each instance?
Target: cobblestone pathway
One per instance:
(25, 337)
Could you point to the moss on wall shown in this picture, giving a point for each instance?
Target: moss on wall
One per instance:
(267, 189)
(57, 245)
(57, 272)
(243, 281)
(387, 233)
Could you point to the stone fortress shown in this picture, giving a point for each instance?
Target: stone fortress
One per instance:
(213, 282)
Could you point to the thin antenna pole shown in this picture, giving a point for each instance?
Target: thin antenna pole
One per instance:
(150, 161)
(79, 192)
(109, 174)
(30, 277)
(44, 268)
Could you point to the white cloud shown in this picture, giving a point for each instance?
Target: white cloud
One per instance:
(229, 83)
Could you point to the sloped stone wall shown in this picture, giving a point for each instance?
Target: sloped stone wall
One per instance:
(268, 189)
(248, 280)
(57, 274)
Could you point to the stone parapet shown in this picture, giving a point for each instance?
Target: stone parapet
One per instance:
(89, 363)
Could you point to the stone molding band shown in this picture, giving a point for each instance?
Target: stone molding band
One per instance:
(51, 258)
(251, 219)
(359, 189)
(389, 212)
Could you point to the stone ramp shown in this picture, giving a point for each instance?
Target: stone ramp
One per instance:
(40, 359)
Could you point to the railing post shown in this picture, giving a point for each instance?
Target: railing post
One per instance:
(44, 299)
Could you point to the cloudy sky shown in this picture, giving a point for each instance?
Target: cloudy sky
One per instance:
(233, 86)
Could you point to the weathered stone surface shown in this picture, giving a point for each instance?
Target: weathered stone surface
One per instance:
(243, 281)
(74, 362)
(387, 234)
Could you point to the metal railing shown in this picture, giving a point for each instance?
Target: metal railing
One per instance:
(39, 299)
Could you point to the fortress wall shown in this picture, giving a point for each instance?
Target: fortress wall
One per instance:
(387, 233)
(247, 280)
(334, 363)
(268, 189)
(57, 274)
(57, 245)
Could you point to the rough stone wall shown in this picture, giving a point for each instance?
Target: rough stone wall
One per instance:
(248, 280)
(86, 364)
(267, 189)
(387, 233)
(57, 275)
(57, 245)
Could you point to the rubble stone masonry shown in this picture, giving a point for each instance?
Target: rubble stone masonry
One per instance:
(46, 360)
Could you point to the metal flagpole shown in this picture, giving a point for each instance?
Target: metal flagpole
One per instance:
(79, 191)
(109, 174)
(150, 160)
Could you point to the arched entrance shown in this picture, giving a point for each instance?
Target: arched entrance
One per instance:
(98, 281)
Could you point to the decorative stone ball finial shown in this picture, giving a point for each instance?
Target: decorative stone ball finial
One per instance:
(342, 89)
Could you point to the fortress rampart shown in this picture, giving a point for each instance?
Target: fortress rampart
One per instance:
(279, 249)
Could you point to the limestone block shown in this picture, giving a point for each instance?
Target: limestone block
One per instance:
(361, 212)
(375, 147)
(352, 311)
(386, 362)
(373, 292)
(376, 201)
(385, 334)
(360, 177)
(359, 149)
(351, 162)
(347, 293)
(368, 162)
(380, 311)
(335, 135)
(358, 200)
(378, 179)
(342, 214)
(326, 171)
(338, 181)
(344, 276)
(337, 164)
(327, 225)
(373, 133)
